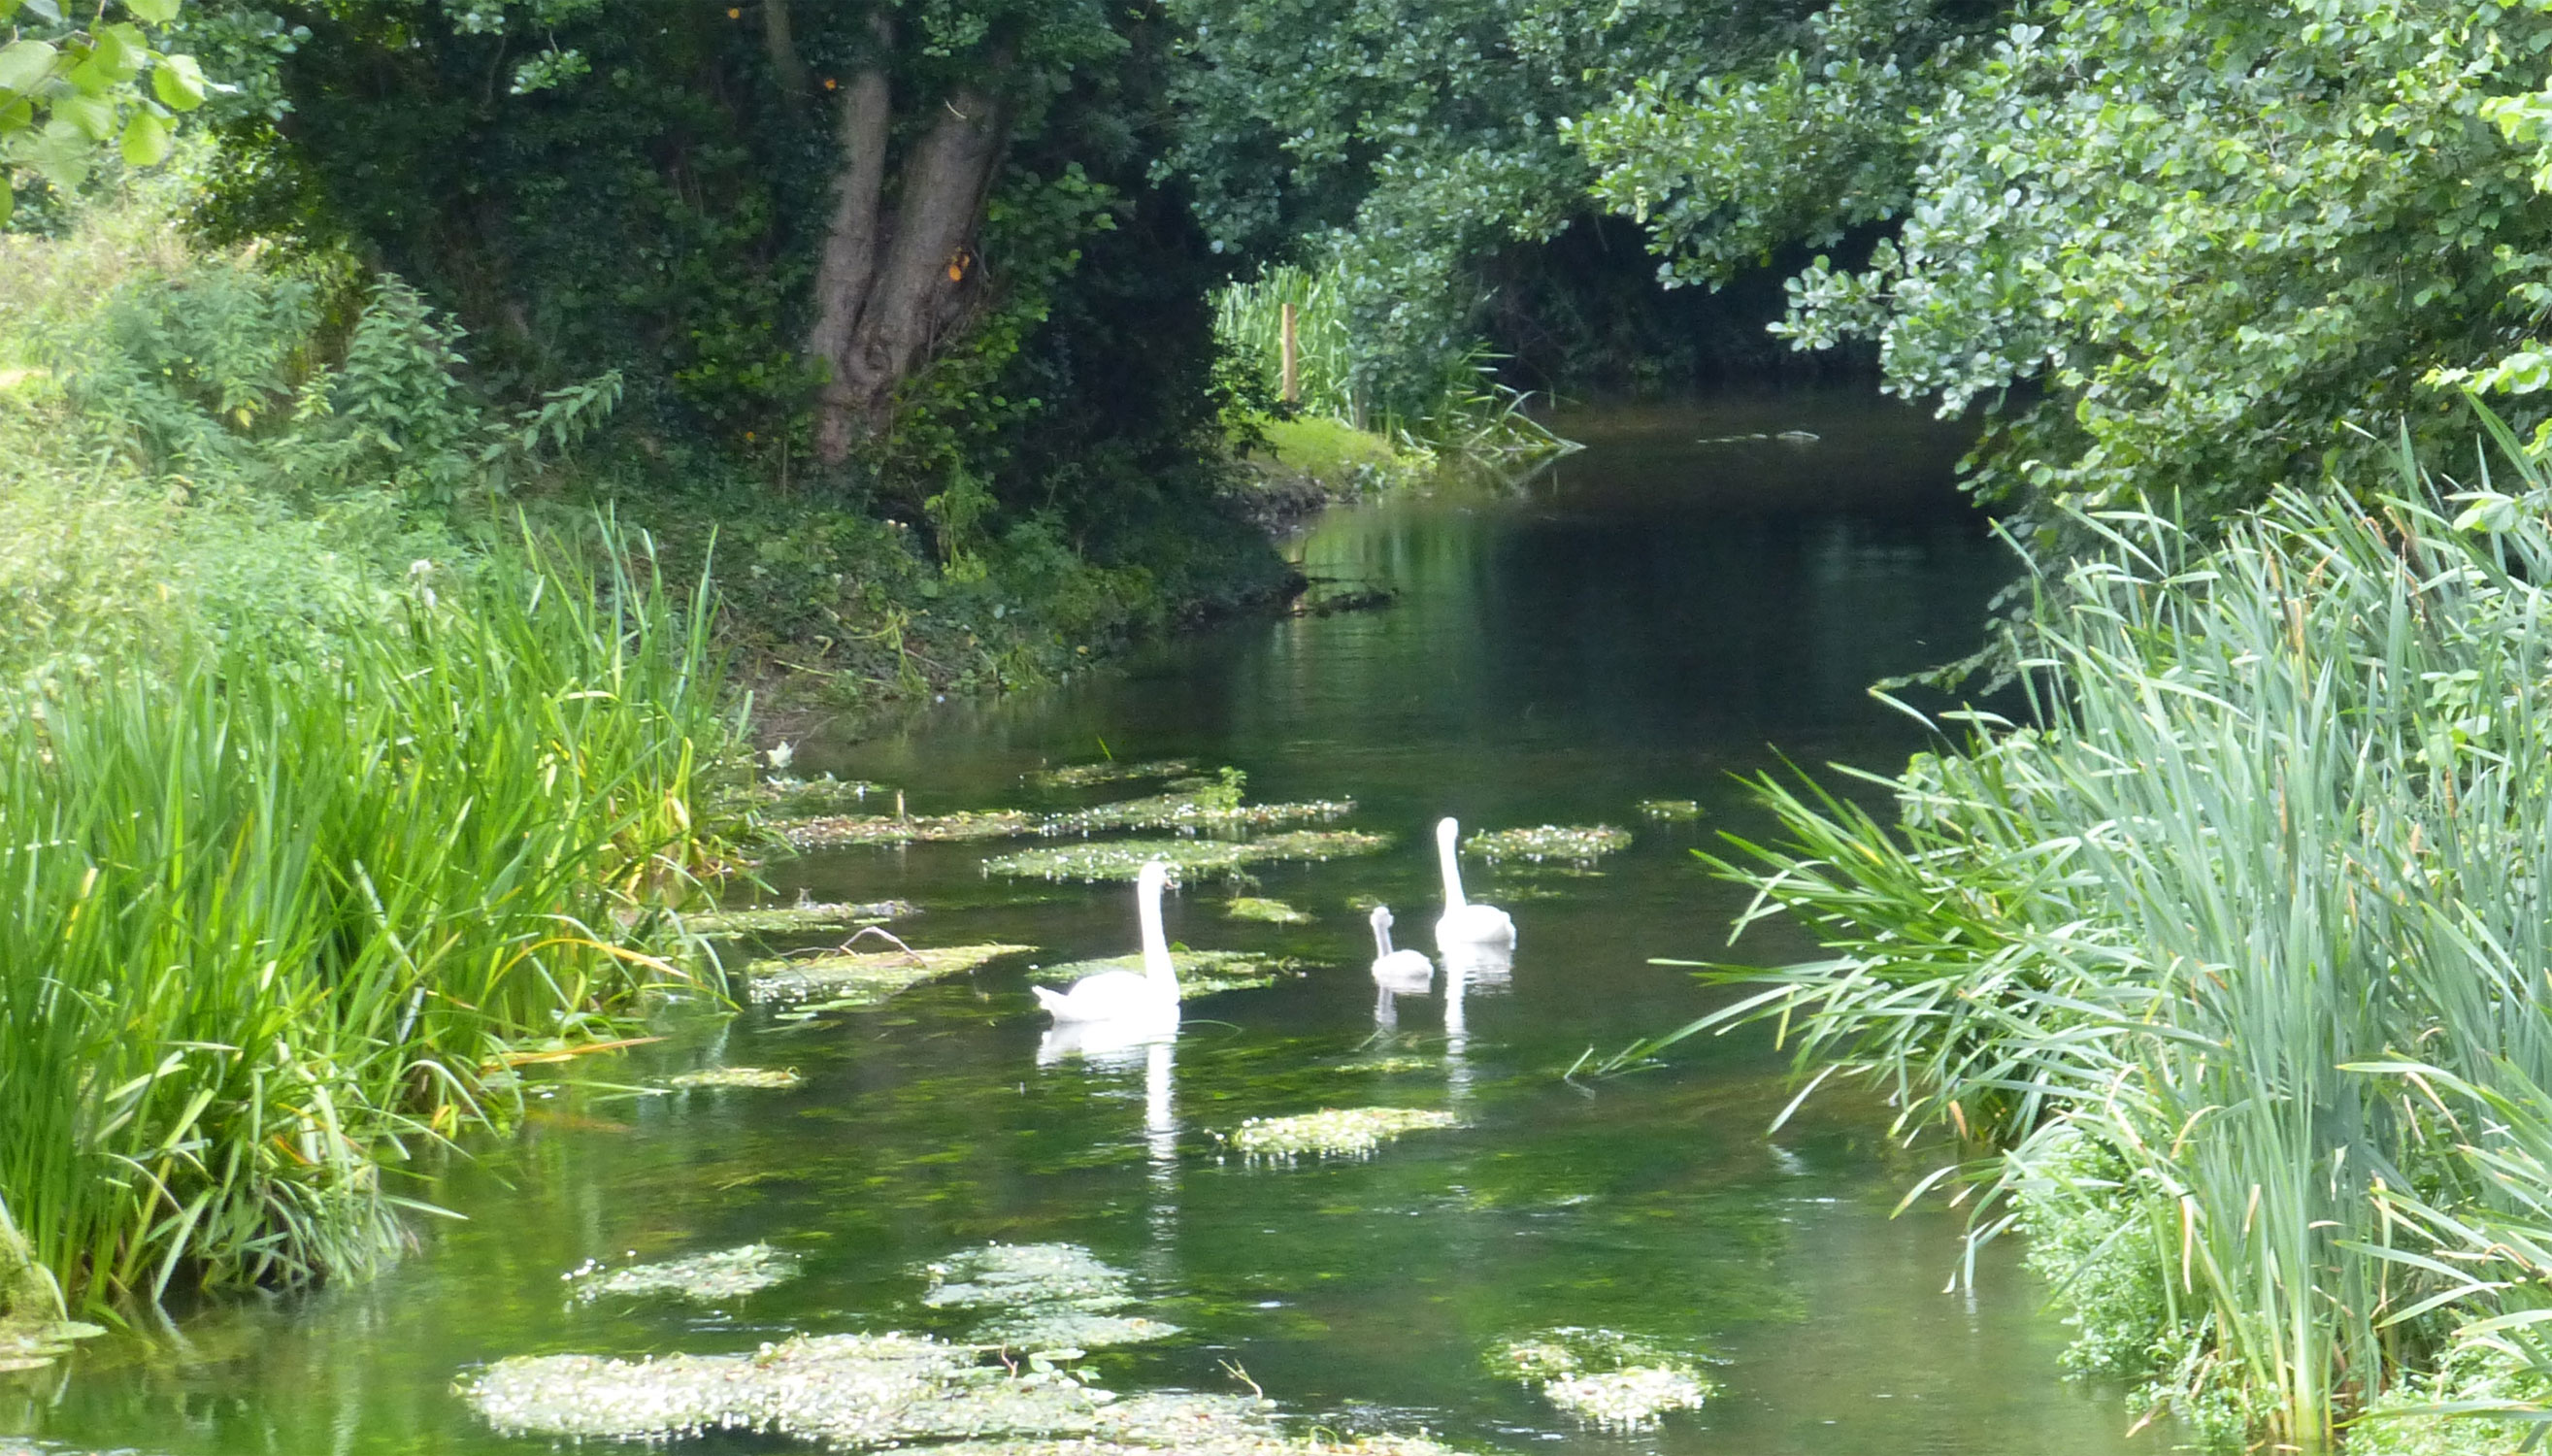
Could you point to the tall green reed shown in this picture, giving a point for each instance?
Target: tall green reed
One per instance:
(2284, 813)
(1458, 406)
(273, 914)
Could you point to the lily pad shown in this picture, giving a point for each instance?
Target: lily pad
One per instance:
(803, 915)
(1189, 859)
(1672, 810)
(848, 980)
(1574, 842)
(834, 830)
(1353, 1132)
(1201, 972)
(771, 1078)
(1087, 776)
(1267, 911)
(705, 1278)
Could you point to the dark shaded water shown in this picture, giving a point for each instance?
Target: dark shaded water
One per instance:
(1644, 620)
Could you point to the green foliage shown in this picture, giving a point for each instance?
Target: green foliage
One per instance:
(70, 91)
(2284, 819)
(2182, 245)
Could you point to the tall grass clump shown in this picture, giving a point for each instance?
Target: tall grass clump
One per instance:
(1455, 406)
(2164, 958)
(274, 913)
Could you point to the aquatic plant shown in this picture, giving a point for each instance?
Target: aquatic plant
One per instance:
(832, 831)
(1087, 776)
(786, 798)
(846, 978)
(1187, 859)
(772, 1078)
(1353, 1132)
(864, 1392)
(1575, 842)
(1201, 972)
(1390, 1066)
(1672, 810)
(1264, 910)
(1213, 807)
(702, 1279)
(803, 915)
(2282, 823)
(277, 910)
(1604, 1377)
(1042, 1298)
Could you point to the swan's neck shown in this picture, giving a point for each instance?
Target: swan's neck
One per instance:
(1381, 940)
(1157, 945)
(1452, 873)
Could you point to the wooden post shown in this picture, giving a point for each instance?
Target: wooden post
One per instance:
(1291, 387)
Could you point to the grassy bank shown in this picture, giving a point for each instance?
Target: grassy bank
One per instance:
(2228, 975)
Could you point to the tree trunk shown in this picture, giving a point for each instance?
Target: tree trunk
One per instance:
(780, 44)
(882, 282)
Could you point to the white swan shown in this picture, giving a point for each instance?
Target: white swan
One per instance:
(1464, 923)
(1405, 972)
(1124, 995)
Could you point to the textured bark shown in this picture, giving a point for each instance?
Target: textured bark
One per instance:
(940, 205)
(884, 286)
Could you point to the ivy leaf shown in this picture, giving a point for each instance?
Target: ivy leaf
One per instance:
(179, 82)
(146, 140)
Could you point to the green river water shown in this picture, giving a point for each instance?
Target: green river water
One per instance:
(1645, 619)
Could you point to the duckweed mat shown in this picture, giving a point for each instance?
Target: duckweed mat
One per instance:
(803, 915)
(1670, 811)
(1603, 1377)
(1578, 843)
(849, 980)
(1091, 776)
(702, 1279)
(1187, 859)
(1201, 972)
(1264, 910)
(1331, 1132)
(774, 1079)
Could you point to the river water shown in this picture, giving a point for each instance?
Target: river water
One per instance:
(1652, 618)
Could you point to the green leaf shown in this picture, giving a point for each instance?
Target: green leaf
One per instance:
(24, 63)
(179, 82)
(146, 140)
(156, 12)
(8, 202)
(61, 154)
(93, 115)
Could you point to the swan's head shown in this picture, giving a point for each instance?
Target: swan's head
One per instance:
(1447, 832)
(1381, 918)
(1154, 878)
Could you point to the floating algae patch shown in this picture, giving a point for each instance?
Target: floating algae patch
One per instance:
(1267, 911)
(849, 980)
(768, 1078)
(705, 1278)
(1390, 1066)
(1201, 972)
(1090, 775)
(1604, 1377)
(1672, 810)
(834, 830)
(1576, 842)
(1197, 810)
(1187, 859)
(1353, 1132)
(1042, 1298)
(803, 915)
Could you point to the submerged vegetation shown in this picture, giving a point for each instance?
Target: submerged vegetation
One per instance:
(1575, 843)
(839, 980)
(1201, 972)
(1604, 1377)
(1187, 859)
(702, 1279)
